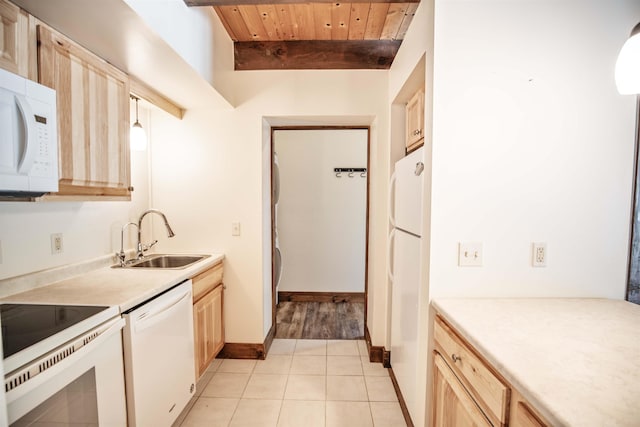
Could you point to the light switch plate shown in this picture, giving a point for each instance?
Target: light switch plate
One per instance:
(235, 228)
(470, 254)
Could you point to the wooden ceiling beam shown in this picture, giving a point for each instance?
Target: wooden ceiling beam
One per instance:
(315, 54)
(258, 2)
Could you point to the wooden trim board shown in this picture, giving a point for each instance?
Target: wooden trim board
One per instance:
(247, 350)
(368, 198)
(321, 296)
(269, 339)
(403, 404)
(376, 354)
(315, 54)
(143, 91)
(242, 351)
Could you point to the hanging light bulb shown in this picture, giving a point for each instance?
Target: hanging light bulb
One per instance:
(628, 65)
(137, 137)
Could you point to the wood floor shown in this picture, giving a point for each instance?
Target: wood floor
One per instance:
(320, 320)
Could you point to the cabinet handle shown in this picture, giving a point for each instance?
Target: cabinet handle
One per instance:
(417, 132)
(455, 358)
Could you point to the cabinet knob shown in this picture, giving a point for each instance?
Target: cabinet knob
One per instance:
(417, 132)
(455, 358)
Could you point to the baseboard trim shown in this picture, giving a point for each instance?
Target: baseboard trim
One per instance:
(376, 353)
(321, 296)
(386, 358)
(248, 351)
(269, 339)
(242, 351)
(403, 405)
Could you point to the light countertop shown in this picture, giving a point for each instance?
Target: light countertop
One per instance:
(122, 287)
(576, 360)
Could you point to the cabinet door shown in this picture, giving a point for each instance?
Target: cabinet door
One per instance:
(93, 117)
(523, 417)
(415, 121)
(208, 328)
(17, 42)
(452, 404)
(218, 326)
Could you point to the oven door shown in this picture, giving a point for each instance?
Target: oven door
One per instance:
(81, 383)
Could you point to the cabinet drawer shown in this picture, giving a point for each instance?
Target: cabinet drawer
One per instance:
(488, 390)
(206, 281)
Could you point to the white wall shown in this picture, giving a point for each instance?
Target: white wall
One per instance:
(90, 229)
(321, 219)
(210, 168)
(531, 142)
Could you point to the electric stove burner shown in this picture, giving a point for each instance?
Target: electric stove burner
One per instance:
(24, 325)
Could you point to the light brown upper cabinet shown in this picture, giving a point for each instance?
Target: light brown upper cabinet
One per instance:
(415, 121)
(17, 41)
(93, 118)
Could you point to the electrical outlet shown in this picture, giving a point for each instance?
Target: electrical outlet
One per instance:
(56, 244)
(235, 228)
(470, 254)
(539, 254)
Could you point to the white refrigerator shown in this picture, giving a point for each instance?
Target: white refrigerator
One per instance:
(406, 219)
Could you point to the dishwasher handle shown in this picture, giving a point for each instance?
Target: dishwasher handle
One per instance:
(157, 314)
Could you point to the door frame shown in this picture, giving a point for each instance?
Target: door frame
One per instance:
(273, 228)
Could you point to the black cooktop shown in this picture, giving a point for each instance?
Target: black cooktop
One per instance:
(26, 324)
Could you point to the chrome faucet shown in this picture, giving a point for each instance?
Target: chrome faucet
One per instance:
(141, 249)
(121, 255)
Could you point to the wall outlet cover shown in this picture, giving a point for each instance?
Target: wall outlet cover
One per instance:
(57, 246)
(539, 254)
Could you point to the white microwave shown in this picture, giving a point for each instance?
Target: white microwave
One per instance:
(28, 137)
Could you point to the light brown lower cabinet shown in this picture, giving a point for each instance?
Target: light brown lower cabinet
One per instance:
(468, 391)
(522, 415)
(453, 406)
(208, 320)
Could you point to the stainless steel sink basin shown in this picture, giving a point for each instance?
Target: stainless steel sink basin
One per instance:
(167, 261)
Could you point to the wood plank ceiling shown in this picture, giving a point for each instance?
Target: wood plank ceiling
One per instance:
(320, 34)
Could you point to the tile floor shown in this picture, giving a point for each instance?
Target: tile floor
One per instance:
(324, 383)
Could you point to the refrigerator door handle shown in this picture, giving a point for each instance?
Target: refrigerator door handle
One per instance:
(389, 256)
(392, 190)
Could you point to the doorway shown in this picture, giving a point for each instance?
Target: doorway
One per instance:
(320, 186)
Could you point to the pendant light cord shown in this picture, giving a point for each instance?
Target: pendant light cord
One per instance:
(136, 99)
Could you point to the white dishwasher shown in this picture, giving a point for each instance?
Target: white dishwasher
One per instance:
(159, 358)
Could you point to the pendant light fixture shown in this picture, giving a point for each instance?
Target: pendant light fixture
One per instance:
(138, 137)
(628, 65)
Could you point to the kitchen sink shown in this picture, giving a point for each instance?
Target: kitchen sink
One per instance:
(166, 261)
